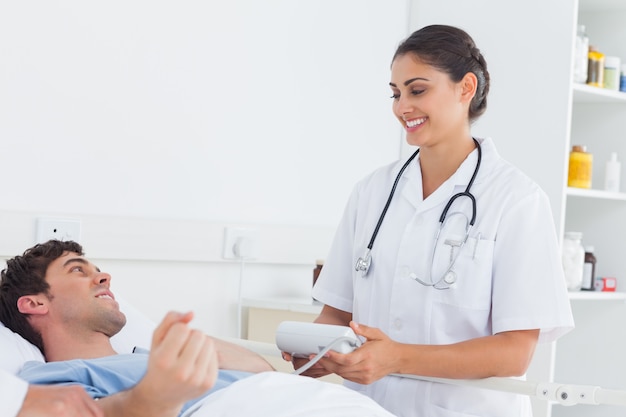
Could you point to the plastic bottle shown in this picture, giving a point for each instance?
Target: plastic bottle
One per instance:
(622, 79)
(581, 55)
(573, 258)
(612, 66)
(612, 174)
(580, 167)
(595, 70)
(589, 270)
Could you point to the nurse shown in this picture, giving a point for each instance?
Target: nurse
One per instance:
(465, 294)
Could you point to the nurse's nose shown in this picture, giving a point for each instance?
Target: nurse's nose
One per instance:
(404, 106)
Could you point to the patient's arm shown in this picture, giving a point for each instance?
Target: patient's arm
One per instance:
(182, 365)
(238, 358)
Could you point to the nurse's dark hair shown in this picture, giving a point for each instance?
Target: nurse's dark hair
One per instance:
(453, 51)
(26, 275)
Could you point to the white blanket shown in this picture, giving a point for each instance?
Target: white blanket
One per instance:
(276, 394)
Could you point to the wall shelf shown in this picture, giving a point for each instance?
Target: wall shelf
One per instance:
(591, 193)
(588, 94)
(597, 296)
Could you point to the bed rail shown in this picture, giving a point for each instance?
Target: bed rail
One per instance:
(565, 394)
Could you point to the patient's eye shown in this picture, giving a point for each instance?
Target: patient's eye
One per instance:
(77, 268)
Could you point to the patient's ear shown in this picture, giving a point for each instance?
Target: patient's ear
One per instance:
(32, 304)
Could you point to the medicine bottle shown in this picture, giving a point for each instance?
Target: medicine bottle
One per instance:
(580, 167)
(589, 270)
(622, 79)
(595, 70)
(573, 258)
(612, 174)
(612, 67)
(581, 55)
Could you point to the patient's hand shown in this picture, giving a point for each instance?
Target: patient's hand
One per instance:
(183, 362)
(182, 365)
(53, 401)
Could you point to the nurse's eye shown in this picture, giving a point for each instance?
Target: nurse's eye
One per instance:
(395, 96)
(417, 92)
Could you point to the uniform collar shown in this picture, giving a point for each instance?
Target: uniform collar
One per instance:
(412, 189)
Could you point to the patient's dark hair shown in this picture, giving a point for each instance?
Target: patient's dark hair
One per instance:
(26, 275)
(453, 51)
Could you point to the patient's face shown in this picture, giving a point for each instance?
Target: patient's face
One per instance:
(80, 296)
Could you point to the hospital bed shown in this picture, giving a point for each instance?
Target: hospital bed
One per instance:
(276, 394)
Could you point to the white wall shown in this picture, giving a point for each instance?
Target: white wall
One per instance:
(224, 110)
(157, 123)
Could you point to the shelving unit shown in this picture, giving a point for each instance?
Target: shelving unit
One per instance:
(593, 353)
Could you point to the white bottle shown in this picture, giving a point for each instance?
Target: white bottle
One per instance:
(581, 55)
(612, 174)
(573, 258)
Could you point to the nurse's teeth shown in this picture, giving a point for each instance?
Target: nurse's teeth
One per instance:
(415, 122)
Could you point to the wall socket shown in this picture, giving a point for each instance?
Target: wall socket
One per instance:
(240, 243)
(59, 229)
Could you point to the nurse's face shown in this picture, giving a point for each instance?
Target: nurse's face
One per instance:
(429, 105)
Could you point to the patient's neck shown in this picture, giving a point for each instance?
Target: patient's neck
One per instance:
(62, 347)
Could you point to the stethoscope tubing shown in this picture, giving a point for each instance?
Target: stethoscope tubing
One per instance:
(364, 263)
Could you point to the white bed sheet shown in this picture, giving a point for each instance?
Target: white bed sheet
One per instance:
(277, 394)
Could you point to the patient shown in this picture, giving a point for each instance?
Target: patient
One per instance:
(59, 301)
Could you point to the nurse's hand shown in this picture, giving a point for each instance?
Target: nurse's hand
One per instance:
(373, 360)
(315, 371)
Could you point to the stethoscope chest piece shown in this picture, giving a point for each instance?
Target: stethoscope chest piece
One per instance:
(450, 277)
(363, 263)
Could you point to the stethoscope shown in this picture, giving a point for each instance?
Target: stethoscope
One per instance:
(449, 277)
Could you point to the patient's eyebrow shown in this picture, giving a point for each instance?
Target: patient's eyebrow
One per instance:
(80, 261)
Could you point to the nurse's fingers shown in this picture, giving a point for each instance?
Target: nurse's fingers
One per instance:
(370, 333)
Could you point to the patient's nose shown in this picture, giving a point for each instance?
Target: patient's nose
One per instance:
(103, 278)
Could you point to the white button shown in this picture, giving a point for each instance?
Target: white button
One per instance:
(397, 323)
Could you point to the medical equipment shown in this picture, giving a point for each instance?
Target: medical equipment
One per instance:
(316, 335)
(302, 339)
(449, 277)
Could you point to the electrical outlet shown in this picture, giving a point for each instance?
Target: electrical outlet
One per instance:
(240, 243)
(59, 229)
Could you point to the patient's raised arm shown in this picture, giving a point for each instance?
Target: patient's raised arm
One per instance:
(238, 358)
(183, 365)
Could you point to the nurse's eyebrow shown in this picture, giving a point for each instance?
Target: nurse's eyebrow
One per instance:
(407, 82)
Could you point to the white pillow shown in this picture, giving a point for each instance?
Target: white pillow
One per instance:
(15, 350)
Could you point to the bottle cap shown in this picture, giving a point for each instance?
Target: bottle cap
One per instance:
(612, 62)
(613, 156)
(579, 148)
(319, 262)
(589, 249)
